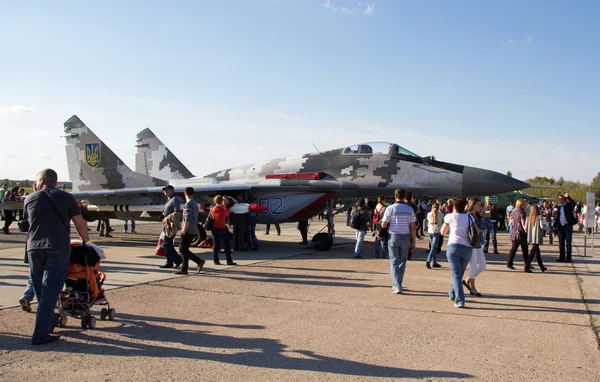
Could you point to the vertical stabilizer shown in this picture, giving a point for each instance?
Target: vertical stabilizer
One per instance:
(94, 166)
(155, 159)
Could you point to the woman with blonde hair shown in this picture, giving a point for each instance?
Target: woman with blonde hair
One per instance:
(435, 220)
(518, 235)
(477, 263)
(535, 235)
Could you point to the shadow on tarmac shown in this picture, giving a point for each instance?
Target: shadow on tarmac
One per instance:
(253, 352)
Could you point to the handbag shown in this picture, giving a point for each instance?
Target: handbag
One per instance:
(473, 234)
(208, 224)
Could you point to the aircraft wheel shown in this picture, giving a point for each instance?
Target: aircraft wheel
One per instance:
(200, 237)
(103, 314)
(112, 314)
(322, 242)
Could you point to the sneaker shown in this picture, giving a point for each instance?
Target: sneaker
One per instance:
(427, 265)
(133, 232)
(459, 305)
(396, 291)
(101, 234)
(436, 265)
(181, 272)
(166, 266)
(108, 235)
(266, 233)
(124, 231)
(25, 305)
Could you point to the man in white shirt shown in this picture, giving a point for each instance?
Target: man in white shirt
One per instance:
(400, 220)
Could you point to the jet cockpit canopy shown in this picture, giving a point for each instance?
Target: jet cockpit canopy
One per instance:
(379, 148)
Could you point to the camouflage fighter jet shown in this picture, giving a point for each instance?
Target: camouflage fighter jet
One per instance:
(293, 188)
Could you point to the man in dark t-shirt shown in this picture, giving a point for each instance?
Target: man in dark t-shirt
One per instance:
(49, 212)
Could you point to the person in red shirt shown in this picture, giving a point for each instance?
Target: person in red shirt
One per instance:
(219, 230)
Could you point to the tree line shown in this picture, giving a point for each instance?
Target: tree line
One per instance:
(577, 190)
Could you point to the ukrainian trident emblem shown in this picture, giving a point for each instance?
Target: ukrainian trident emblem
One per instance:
(92, 154)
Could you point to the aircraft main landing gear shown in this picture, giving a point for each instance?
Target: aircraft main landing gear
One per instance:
(323, 241)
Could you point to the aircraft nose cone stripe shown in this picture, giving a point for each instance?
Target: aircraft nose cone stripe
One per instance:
(479, 182)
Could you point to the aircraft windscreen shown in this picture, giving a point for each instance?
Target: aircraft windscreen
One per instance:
(402, 151)
(378, 148)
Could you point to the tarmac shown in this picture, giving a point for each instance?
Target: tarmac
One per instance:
(289, 312)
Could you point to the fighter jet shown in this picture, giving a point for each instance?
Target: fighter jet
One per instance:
(292, 189)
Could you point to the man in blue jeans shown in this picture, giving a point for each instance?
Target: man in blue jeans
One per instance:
(172, 205)
(400, 221)
(49, 212)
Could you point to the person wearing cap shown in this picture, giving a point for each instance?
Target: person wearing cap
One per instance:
(490, 213)
(172, 205)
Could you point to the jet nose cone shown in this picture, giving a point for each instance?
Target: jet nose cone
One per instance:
(480, 182)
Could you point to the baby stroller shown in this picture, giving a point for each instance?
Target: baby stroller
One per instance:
(83, 287)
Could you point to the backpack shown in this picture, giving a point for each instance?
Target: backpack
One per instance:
(474, 238)
(377, 215)
(355, 220)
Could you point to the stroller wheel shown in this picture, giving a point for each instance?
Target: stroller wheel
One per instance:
(92, 322)
(112, 314)
(85, 320)
(63, 320)
(104, 314)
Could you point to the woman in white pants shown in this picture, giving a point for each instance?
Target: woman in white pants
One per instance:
(477, 263)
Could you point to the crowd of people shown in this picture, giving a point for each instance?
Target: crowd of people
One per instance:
(471, 227)
(7, 196)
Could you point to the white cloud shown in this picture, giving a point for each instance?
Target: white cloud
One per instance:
(524, 41)
(350, 6)
(329, 5)
(40, 134)
(16, 110)
(258, 149)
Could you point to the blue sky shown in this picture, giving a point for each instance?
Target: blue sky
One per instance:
(504, 85)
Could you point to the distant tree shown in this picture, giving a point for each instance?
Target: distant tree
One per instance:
(595, 186)
(561, 181)
(509, 173)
